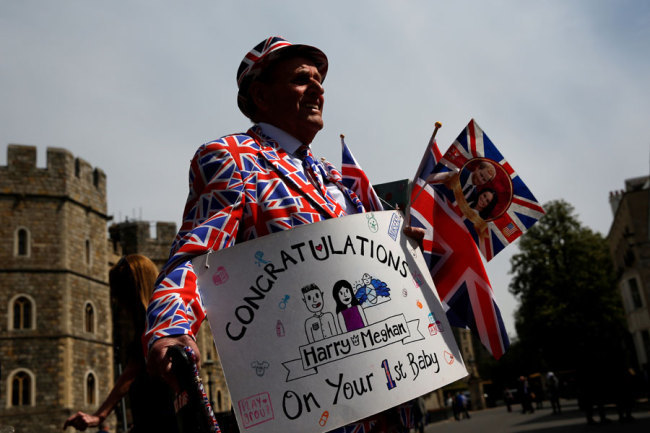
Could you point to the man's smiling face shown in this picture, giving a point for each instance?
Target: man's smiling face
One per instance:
(293, 99)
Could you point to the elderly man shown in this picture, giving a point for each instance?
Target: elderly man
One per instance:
(247, 185)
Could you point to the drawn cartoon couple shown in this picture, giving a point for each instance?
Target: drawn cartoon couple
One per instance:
(322, 325)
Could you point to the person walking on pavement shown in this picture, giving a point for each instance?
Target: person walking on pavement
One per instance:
(508, 398)
(131, 281)
(462, 403)
(553, 386)
(524, 391)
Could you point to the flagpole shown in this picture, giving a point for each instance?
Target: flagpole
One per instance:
(407, 217)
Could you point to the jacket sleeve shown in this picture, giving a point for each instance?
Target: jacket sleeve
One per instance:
(211, 220)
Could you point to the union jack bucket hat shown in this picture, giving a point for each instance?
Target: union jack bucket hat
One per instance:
(263, 54)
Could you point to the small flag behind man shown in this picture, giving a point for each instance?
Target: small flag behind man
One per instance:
(355, 179)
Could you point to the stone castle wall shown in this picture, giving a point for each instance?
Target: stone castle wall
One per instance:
(63, 209)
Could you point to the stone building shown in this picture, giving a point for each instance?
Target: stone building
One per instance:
(629, 243)
(56, 351)
(57, 327)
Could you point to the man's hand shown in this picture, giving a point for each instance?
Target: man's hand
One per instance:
(81, 421)
(159, 362)
(415, 233)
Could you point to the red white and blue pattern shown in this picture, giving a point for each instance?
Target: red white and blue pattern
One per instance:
(363, 426)
(258, 53)
(355, 179)
(522, 211)
(454, 261)
(405, 412)
(407, 415)
(207, 407)
(242, 186)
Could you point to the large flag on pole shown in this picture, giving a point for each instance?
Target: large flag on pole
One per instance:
(461, 199)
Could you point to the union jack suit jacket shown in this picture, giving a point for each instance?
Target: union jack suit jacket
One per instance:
(242, 186)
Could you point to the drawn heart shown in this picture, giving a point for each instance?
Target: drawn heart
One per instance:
(319, 247)
(449, 358)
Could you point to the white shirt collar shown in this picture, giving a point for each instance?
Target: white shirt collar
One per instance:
(286, 141)
(290, 144)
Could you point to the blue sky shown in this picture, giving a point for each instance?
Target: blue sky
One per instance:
(134, 87)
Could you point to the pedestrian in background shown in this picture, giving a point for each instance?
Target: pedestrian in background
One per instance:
(553, 386)
(461, 403)
(508, 398)
(526, 395)
(132, 281)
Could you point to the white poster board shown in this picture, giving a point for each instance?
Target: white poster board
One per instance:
(298, 352)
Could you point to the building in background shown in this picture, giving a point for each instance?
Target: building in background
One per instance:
(61, 340)
(629, 243)
(56, 352)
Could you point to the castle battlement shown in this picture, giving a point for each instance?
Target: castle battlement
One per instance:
(64, 176)
(134, 237)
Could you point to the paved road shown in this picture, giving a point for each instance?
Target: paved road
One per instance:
(542, 421)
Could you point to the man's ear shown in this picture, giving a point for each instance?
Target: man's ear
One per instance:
(258, 92)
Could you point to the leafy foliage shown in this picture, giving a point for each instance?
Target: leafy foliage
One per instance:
(570, 310)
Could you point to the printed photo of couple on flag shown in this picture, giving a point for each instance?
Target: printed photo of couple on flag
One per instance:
(484, 191)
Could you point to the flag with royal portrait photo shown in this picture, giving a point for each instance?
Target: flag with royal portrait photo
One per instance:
(484, 190)
(466, 200)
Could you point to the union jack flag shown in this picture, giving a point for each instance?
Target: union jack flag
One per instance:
(355, 179)
(407, 415)
(363, 426)
(513, 209)
(453, 258)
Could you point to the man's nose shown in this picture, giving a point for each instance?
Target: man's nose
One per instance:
(316, 86)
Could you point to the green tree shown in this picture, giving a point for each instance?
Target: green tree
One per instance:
(570, 313)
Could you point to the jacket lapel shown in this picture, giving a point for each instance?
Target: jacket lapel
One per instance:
(279, 159)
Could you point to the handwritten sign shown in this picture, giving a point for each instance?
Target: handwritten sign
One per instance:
(326, 324)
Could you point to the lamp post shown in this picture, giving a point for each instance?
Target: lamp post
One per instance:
(475, 385)
(208, 365)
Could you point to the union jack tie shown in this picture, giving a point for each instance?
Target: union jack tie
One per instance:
(316, 173)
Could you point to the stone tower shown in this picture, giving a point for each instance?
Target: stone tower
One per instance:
(56, 354)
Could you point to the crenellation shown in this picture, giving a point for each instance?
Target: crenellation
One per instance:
(21, 158)
(64, 176)
(99, 179)
(165, 231)
(60, 162)
(134, 237)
